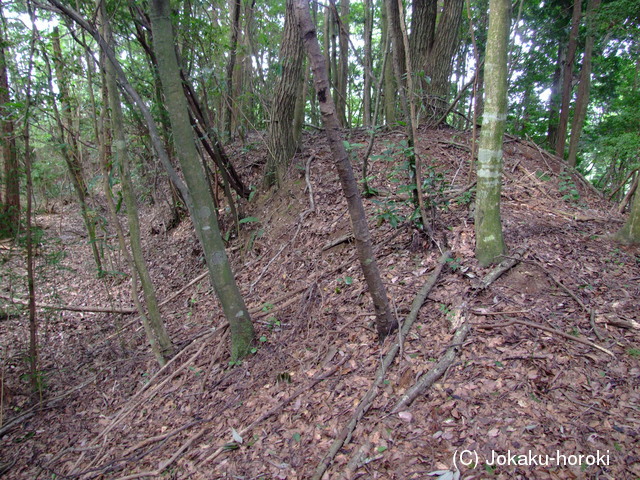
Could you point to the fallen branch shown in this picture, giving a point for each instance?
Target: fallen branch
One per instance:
(437, 371)
(72, 308)
(505, 265)
(553, 331)
(369, 397)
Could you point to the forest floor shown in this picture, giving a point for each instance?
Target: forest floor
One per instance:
(522, 385)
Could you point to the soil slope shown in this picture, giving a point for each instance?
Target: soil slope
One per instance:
(517, 386)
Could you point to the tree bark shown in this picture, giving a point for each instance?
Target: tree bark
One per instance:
(282, 142)
(202, 208)
(368, 63)
(423, 29)
(440, 57)
(489, 239)
(385, 322)
(555, 100)
(584, 86)
(231, 64)
(11, 202)
(156, 333)
(567, 77)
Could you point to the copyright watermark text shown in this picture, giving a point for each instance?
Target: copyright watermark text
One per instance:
(471, 459)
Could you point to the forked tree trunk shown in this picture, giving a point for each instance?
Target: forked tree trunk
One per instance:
(489, 239)
(282, 141)
(201, 206)
(385, 322)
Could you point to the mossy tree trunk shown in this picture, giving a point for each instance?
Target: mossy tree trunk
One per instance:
(201, 208)
(489, 239)
(385, 323)
(152, 321)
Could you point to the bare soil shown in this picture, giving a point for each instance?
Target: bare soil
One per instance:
(107, 411)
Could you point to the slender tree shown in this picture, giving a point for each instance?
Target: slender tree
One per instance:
(202, 209)
(385, 322)
(70, 150)
(152, 321)
(489, 239)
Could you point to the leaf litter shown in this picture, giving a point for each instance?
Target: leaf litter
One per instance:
(109, 412)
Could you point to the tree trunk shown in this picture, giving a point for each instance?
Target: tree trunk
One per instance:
(231, 64)
(368, 63)
(440, 58)
(10, 214)
(630, 232)
(423, 29)
(282, 142)
(555, 99)
(202, 208)
(385, 322)
(582, 98)
(567, 77)
(70, 149)
(489, 240)
(156, 333)
(389, 86)
(343, 67)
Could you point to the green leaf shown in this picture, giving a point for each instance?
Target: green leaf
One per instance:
(249, 220)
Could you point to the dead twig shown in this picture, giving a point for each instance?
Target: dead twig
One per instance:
(370, 396)
(553, 331)
(72, 308)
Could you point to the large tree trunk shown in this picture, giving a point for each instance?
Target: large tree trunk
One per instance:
(582, 98)
(202, 208)
(385, 322)
(156, 333)
(423, 29)
(567, 77)
(489, 240)
(282, 142)
(10, 215)
(440, 58)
